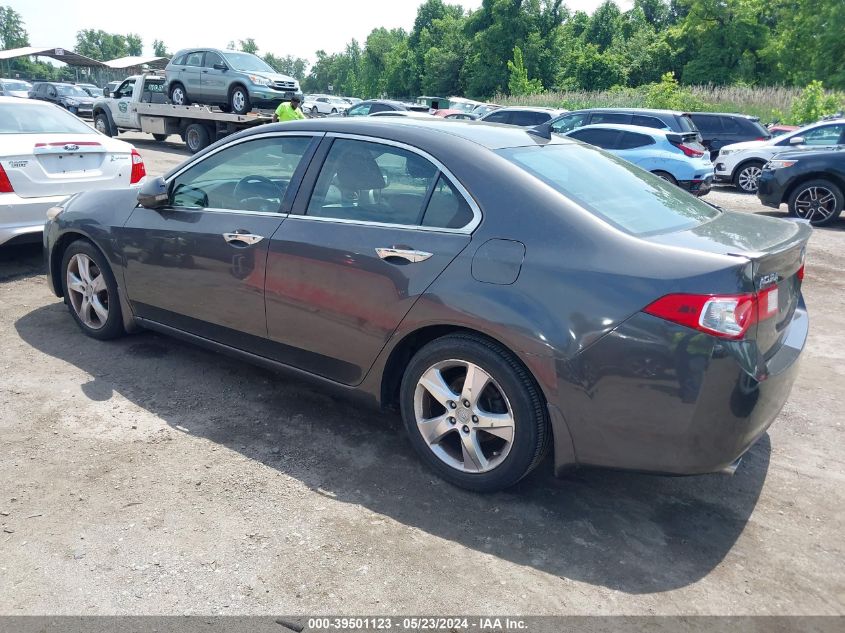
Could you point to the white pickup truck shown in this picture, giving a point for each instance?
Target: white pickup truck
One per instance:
(139, 103)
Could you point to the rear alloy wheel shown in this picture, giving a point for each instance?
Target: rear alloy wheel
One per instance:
(101, 124)
(819, 201)
(665, 175)
(178, 96)
(90, 291)
(239, 100)
(747, 175)
(473, 413)
(196, 137)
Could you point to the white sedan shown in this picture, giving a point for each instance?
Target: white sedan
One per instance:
(325, 104)
(46, 155)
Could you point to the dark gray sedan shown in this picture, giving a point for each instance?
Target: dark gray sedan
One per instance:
(510, 293)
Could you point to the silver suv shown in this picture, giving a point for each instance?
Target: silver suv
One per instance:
(237, 82)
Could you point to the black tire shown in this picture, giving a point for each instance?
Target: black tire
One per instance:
(224, 107)
(196, 137)
(744, 177)
(112, 327)
(532, 434)
(160, 137)
(334, 110)
(102, 125)
(315, 111)
(665, 175)
(181, 97)
(239, 100)
(827, 205)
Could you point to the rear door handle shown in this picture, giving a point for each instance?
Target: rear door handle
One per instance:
(242, 238)
(409, 255)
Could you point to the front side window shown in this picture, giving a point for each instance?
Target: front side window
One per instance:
(527, 118)
(825, 135)
(370, 182)
(248, 176)
(581, 174)
(498, 117)
(569, 122)
(212, 58)
(126, 89)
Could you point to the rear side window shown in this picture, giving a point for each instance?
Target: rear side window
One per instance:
(609, 117)
(526, 118)
(631, 140)
(378, 107)
(731, 125)
(194, 59)
(359, 110)
(581, 174)
(570, 122)
(648, 121)
(606, 139)
(708, 124)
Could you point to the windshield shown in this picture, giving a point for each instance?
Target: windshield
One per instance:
(637, 202)
(71, 91)
(33, 118)
(248, 62)
(16, 85)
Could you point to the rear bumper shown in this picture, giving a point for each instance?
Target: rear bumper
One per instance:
(22, 216)
(657, 397)
(697, 187)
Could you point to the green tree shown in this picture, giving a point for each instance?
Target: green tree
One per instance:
(160, 49)
(134, 45)
(249, 46)
(97, 44)
(289, 65)
(518, 82)
(814, 103)
(12, 31)
(605, 25)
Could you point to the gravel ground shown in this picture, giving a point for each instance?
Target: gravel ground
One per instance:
(145, 475)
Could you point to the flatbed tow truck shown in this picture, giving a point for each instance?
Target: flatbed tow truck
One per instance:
(139, 103)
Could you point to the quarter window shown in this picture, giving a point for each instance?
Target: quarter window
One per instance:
(648, 121)
(631, 140)
(447, 209)
(249, 176)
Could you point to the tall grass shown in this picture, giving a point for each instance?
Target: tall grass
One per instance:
(768, 103)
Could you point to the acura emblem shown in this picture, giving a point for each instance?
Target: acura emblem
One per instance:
(71, 148)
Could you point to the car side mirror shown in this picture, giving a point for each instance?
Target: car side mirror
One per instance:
(153, 194)
(796, 140)
(219, 66)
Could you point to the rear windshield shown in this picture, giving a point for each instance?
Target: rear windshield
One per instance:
(33, 118)
(620, 193)
(686, 123)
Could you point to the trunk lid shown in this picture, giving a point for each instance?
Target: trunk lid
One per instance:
(776, 250)
(63, 164)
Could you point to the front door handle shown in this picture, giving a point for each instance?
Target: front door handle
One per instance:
(409, 255)
(242, 238)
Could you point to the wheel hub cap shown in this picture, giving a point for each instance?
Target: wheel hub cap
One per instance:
(87, 291)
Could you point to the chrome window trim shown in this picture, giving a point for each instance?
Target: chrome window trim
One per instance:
(199, 160)
(466, 230)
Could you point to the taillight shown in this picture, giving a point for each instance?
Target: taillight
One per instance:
(726, 316)
(689, 151)
(138, 169)
(800, 273)
(5, 184)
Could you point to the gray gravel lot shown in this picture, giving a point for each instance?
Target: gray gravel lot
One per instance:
(145, 475)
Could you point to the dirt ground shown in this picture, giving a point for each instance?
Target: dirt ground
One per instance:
(145, 475)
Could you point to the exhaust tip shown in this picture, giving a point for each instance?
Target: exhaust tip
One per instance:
(730, 469)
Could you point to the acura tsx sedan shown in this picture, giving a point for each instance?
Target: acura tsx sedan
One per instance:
(509, 291)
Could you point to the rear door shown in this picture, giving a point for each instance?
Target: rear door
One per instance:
(373, 226)
(191, 75)
(634, 148)
(198, 265)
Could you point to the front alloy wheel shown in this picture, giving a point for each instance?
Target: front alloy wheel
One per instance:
(747, 177)
(818, 201)
(87, 291)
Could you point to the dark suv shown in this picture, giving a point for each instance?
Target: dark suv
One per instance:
(670, 120)
(719, 129)
(70, 97)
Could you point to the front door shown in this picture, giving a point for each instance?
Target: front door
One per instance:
(199, 264)
(214, 80)
(121, 106)
(372, 227)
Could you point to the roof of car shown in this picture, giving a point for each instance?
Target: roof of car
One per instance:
(530, 109)
(622, 127)
(420, 133)
(733, 114)
(633, 111)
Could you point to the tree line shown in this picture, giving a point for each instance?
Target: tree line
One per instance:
(522, 47)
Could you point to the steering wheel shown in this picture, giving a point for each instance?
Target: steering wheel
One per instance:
(258, 190)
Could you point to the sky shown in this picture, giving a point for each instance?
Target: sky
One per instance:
(281, 27)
